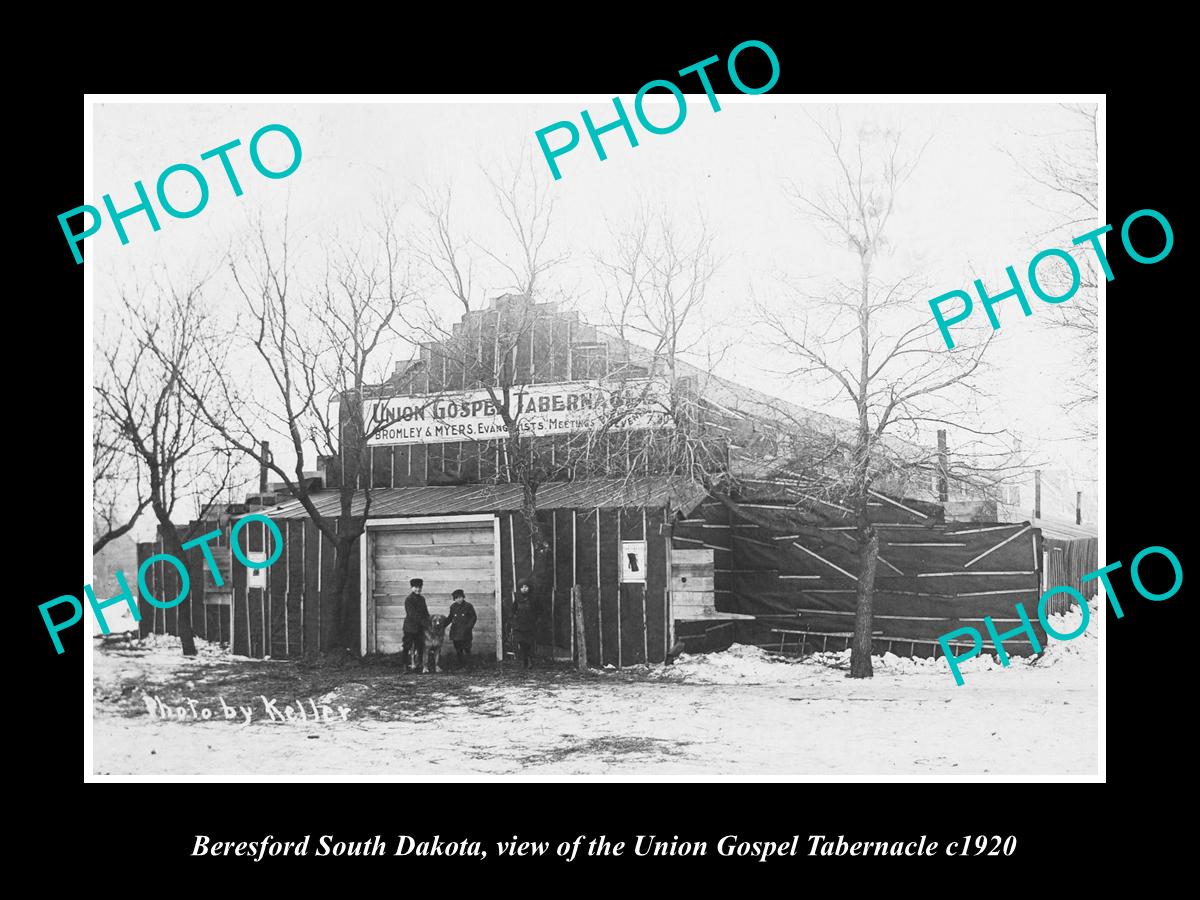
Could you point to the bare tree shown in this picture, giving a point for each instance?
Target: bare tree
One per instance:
(1063, 172)
(167, 338)
(116, 481)
(655, 282)
(523, 201)
(320, 340)
(870, 344)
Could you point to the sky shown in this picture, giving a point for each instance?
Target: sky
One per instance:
(966, 212)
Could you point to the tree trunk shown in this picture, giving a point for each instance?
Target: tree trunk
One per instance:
(336, 613)
(868, 555)
(542, 551)
(868, 538)
(173, 546)
(348, 620)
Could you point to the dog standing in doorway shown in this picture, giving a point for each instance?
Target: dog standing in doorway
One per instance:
(435, 634)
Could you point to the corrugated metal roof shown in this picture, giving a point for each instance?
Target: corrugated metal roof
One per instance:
(604, 493)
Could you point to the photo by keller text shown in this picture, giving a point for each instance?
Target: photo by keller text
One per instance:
(246, 714)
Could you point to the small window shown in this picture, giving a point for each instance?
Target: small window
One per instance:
(633, 562)
(223, 561)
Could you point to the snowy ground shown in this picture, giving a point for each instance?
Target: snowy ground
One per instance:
(744, 712)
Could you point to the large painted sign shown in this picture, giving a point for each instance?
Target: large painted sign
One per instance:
(538, 409)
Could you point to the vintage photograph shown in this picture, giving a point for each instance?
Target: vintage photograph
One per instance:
(423, 447)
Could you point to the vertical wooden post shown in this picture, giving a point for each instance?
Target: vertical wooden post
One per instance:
(1037, 494)
(943, 481)
(265, 454)
(1079, 507)
(581, 662)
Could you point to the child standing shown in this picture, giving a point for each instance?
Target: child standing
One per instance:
(524, 623)
(462, 620)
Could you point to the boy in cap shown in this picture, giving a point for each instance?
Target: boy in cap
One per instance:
(462, 620)
(416, 618)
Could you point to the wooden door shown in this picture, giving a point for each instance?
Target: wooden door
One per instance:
(446, 556)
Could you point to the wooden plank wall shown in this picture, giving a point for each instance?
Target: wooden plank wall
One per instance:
(710, 527)
(280, 620)
(447, 556)
(210, 622)
(631, 605)
(625, 624)
(552, 346)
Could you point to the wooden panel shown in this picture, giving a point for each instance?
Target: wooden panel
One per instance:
(561, 339)
(381, 467)
(633, 639)
(195, 601)
(632, 597)
(400, 463)
(683, 582)
(354, 595)
(522, 551)
(254, 612)
(393, 570)
(693, 605)
(487, 341)
(395, 592)
(468, 461)
(389, 643)
(541, 338)
(416, 467)
(146, 624)
(507, 581)
(312, 597)
(434, 535)
(586, 569)
(295, 586)
(610, 608)
(467, 563)
(690, 599)
(564, 555)
(239, 612)
(432, 554)
(169, 590)
(329, 604)
(656, 587)
(691, 558)
(433, 463)
(545, 623)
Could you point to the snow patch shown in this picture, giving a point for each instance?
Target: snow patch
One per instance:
(748, 664)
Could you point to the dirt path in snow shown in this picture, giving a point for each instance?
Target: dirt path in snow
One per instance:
(557, 722)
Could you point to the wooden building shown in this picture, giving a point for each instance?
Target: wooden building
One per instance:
(656, 556)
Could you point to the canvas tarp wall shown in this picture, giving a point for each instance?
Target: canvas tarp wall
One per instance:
(796, 572)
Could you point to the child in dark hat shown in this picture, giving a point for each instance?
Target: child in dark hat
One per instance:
(462, 619)
(416, 618)
(524, 622)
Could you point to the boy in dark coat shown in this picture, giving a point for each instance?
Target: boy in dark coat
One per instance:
(524, 622)
(462, 619)
(416, 618)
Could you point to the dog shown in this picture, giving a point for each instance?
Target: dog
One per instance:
(435, 634)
